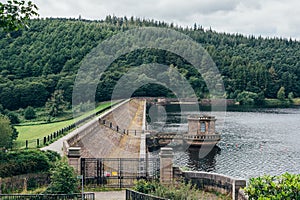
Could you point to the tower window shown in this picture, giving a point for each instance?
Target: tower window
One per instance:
(202, 127)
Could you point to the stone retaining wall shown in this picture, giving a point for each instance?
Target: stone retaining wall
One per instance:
(23, 182)
(216, 182)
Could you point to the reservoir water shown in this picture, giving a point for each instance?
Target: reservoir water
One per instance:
(263, 141)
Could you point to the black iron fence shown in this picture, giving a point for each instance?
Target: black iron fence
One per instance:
(87, 196)
(134, 195)
(118, 172)
(119, 129)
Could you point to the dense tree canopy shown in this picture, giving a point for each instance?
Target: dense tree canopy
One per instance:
(14, 14)
(45, 58)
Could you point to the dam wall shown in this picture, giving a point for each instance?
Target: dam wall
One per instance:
(115, 134)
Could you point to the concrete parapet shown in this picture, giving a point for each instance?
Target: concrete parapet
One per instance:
(217, 182)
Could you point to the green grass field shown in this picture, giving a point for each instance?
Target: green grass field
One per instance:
(33, 132)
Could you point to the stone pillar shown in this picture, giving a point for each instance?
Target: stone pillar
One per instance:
(74, 154)
(166, 165)
(237, 184)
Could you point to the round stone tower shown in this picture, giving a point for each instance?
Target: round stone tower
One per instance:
(201, 131)
(200, 125)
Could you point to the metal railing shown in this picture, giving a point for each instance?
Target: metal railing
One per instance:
(87, 196)
(134, 195)
(118, 129)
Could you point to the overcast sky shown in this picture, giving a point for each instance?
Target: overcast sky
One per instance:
(250, 17)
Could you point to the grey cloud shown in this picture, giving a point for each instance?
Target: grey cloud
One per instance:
(258, 17)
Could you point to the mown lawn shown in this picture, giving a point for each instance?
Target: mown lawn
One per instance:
(35, 131)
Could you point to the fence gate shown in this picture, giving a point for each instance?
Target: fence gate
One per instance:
(118, 172)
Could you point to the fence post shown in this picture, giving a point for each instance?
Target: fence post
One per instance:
(37, 142)
(45, 140)
(26, 143)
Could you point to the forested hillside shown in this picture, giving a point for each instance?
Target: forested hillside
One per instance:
(45, 58)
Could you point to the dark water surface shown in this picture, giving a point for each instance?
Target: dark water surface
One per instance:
(265, 141)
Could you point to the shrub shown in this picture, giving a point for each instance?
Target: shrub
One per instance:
(63, 179)
(23, 162)
(178, 191)
(53, 156)
(13, 117)
(246, 98)
(29, 113)
(286, 186)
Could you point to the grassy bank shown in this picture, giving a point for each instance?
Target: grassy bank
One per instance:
(31, 132)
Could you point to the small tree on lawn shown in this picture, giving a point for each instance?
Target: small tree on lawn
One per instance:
(6, 132)
(63, 179)
(56, 104)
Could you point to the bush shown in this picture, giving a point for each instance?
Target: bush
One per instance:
(63, 179)
(29, 113)
(246, 98)
(23, 162)
(53, 156)
(178, 191)
(286, 186)
(13, 117)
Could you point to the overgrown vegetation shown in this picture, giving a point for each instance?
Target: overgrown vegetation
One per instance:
(26, 161)
(286, 186)
(63, 179)
(176, 191)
